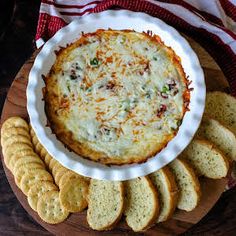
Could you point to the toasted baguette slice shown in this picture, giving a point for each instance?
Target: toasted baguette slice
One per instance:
(188, 184)
(141, 203)
(164, 181)
(105, 204)
(219, 135)
(222, 107)
(206, 160)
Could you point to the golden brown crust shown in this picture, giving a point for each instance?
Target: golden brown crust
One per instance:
(82, 148)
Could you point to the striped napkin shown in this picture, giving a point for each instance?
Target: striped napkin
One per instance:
(212, 23)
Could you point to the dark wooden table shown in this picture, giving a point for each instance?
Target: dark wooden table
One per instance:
(16, 45)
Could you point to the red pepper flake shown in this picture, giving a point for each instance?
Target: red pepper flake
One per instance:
(161, 110)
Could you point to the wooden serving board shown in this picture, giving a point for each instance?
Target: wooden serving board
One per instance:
(76, 224)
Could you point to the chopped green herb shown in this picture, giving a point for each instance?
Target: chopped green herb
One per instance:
(155, 58)
(165, 89)
(68, 87)
(94, 61)
(123, 40)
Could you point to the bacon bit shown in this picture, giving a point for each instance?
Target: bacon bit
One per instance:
(130, 63)
(161, 110)
(110, 85)
(100, 99)
(164, 95)
(141, 72)
(175, 92)
(109, 59)
(73, 75)
(144, 123)
(147, 66)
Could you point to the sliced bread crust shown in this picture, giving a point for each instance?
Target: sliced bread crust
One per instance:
(219, 135)
(222, 107)
(164, 181)
(141, 203)
(188, 184)
(206, 159)
(105, 204)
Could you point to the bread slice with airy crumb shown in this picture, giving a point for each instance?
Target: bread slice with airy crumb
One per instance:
(164, 181)
(141, 203)
(105, 204)
(206, 159)
(222, 107)
(219, 135)
(188, 184)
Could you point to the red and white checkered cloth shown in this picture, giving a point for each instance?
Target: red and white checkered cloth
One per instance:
(212, 23)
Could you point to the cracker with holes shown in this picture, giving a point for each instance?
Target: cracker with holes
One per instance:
(8, 133)
(19, 155)
(73, 194)
(16, 139)
(37, 190)
(26, 168)
(50, 209)
(30, 179)
(7, 159)
(26, 160)
(15, 147)
(59, 173)
(67, 176)
(14, 122)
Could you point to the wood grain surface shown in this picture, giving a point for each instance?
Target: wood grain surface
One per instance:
(76, 224)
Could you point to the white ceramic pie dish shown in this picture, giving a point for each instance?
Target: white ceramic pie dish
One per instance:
(121, 19)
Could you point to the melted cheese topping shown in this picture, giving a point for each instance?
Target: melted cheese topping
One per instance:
(120, 92)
